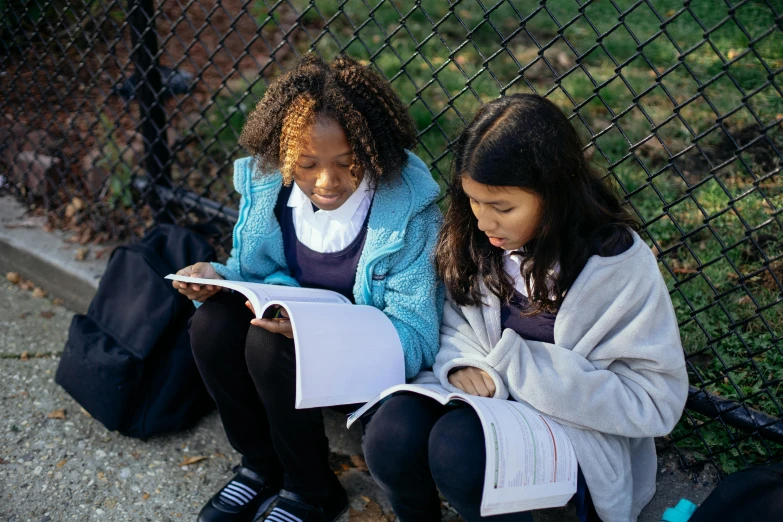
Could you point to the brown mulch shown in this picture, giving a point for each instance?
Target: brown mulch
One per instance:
(57, 87)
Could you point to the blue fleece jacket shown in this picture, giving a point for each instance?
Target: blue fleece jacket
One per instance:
(395, 272)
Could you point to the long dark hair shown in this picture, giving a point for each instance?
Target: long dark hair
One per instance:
(525, 141)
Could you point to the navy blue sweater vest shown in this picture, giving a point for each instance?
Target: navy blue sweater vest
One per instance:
(541, 327)
(333, 270)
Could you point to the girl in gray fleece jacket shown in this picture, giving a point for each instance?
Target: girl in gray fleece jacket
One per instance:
(553, 300)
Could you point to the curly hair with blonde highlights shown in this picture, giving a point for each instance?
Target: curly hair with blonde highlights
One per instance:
(375, 121)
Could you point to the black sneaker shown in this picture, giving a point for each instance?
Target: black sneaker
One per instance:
(295, 508)
(247, 494)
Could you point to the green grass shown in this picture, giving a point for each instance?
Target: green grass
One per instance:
(652, 88)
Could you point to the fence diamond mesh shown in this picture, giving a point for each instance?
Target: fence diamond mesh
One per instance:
(115, 115)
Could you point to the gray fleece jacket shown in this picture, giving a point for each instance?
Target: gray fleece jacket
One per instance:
(614, 379)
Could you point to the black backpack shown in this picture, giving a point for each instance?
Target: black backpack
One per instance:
(128, 361)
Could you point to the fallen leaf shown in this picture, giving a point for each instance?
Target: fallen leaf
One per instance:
(78, 203)
(26, 284)
(684, 270)
(85, 412)
(47, 314)
(145, 496)
(101, 476)
(359, 463)
(13, 277)
(25, 355)
(57, 301)
(366, 499)
(86, 237)
(99, 254)
(62, 463)
(56, 414)
(192, 460)
(372, 512)
(732, 54)
(39, 292)
(81, 254)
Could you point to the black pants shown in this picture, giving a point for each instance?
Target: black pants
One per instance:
(251, 375)
(415, 447)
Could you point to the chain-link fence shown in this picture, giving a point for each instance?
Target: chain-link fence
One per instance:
(116, 114)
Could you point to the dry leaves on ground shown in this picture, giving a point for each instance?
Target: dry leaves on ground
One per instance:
(192, 460)
(62, 463)
(359, 463)
(56, 414)
(372, 512)
(25, 356)
(13, 277)
(39, 292)
(47, 314)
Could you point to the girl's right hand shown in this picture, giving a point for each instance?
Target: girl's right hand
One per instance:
(473, 381)
(194, 291)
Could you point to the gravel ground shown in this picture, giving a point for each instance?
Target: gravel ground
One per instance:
(59, 464)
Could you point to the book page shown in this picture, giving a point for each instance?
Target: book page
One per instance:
(344, 354)
(433, 391)
(530, 461)
(260, 294)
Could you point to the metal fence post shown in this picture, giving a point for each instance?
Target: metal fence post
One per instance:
(149, 90)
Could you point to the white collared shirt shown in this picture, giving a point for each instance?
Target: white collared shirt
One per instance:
(512, 265)
(330, 230)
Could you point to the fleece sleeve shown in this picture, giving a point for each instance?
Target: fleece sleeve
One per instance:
(412, 295)
(618, 366)
(462, 344)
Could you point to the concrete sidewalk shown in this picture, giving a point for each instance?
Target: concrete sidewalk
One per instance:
(57, 463)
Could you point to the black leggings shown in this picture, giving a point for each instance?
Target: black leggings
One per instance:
(415, 447)
(251, 375)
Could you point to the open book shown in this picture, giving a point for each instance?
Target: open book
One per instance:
(530, 461)
(345, 353)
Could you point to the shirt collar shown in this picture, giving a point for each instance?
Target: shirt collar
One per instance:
(343, 214)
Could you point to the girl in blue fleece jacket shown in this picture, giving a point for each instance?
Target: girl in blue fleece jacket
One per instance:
(331, 198)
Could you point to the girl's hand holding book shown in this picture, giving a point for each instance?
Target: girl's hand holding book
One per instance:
(473, 381)
(280, 323)
(196, 292)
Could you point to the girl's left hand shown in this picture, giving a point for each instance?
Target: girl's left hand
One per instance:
(281, 325)
(473, 381)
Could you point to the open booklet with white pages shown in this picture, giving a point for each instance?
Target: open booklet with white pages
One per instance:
(345, 353)
(530, 461)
